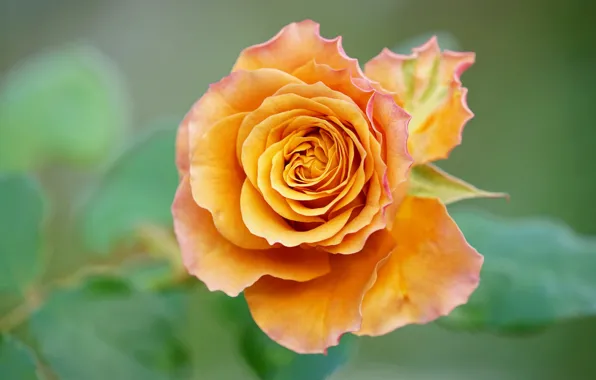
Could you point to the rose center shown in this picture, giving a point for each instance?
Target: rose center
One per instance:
(309, 157)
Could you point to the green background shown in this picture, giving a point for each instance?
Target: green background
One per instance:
(532, 89)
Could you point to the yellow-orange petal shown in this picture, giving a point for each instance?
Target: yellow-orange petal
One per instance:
(343, 81)
(216, 180)
(427, 85)
(354, 242)
(224, 266)
(361, 226)
(295, 45)
(431, 271)
(241, 91)
(311, 316)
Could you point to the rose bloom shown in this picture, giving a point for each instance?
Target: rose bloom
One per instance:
(298, 188)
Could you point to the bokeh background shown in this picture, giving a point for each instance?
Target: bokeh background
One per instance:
(532, 89)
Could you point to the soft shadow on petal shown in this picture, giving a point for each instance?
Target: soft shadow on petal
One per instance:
(427, 85)
(224, 266)
(311, 316)
(295, 45)
(216, 180)
(431, 271)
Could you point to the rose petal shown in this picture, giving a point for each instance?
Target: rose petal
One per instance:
(431, 271)
(361, 226)
(224, 266)
(311, 316)
(427, 85)
(343, 81)
(182, 148)
(354, 242)
(216, 180)
(263, 221)
(241, 91)
(391, 122)
(295, 45)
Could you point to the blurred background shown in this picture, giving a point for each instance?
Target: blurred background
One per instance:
(532, 89)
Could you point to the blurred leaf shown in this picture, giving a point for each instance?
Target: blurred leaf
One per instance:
(21, 217)
(67, 104)
(211, 336)
(271, 361)
(149, 275)
(536, 272)
(161, 243)
(430, 181)
(16, 360)
(447, 41)
(136, 191)
(107, 330)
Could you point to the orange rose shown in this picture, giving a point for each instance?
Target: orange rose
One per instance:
(296, 188)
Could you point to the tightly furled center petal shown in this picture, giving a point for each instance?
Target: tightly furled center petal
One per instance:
(310, 160)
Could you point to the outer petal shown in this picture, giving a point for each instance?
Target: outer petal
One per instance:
(182, 148)
(431, 271)
(427, 85)
(216, 180)
(223, 266)
(311, 316)
(344, 81)
(295, 45)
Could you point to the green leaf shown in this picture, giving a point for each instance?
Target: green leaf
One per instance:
(16, 360)
(21, 218)
(428, 181)
(68, 104)
(271, 361)
(447, 41)
(536, 272)
(108, 330)
(135, 192)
